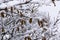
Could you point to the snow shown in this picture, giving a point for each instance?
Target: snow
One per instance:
(52, 10)
(33, 29)
(11, 3)
(6, 37)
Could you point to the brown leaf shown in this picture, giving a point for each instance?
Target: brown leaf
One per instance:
(6, 9)
(27, 38)
(11, 9)
(3, 29)
(30, 20)
(40, 23)
(43, 38)
(23, 22)
(44, 20)
(18, 11)
(13, 30)
(53, 1)
(21, 14)
(2, 14)
(44, 29)
(17, 29)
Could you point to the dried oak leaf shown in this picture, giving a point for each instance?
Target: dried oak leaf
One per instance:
(21, 15)
(23, 22)
(27, 38)
(3, 30)
(11, 9)
(2, 14)
(6, 9)
(40, 23)
(17, 29)
(53, 1)
(43, 38)
(30, 20)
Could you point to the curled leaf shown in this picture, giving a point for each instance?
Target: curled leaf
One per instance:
(43, 38)
(44, 30)
(17, 11)
(17, 29)
(27, 38)
(40, 23)
(3, 30)
(53, 1)
(2, 14)
(44, 20)
(6, 9)
(13, 30)
(30, 20)
(21, 14)
(23, 22)
(11, 9)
